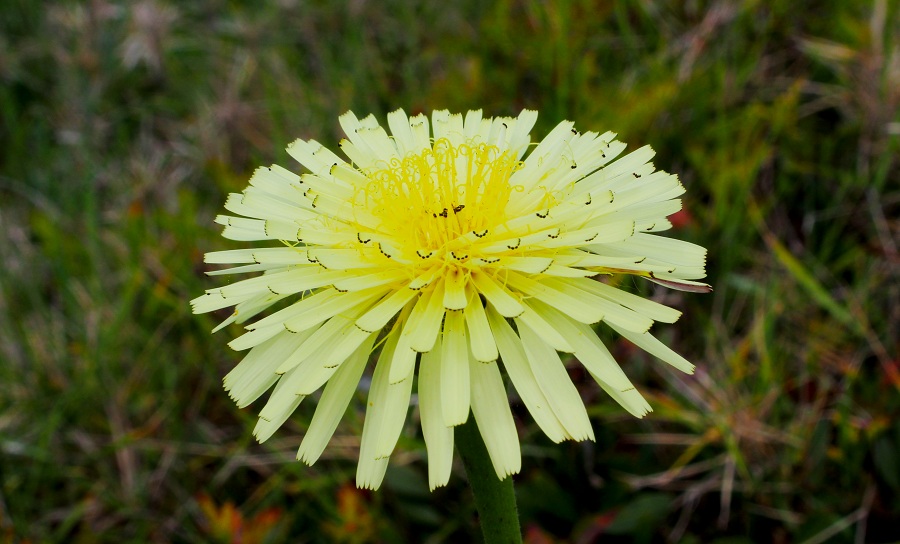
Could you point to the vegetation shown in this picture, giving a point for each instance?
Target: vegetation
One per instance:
(124, 124)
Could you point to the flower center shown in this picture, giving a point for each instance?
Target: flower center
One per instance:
(429, 202)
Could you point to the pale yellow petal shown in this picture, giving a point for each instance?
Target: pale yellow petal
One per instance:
(343, 302)
(481, 339)
(255, 337)
(325, 351)
(455, 391)
(281, 404)
(333, 403)
(556, 293)
(438, 436)
(472, 123)
(313, 155)
(597, 360)
(490, 408)
(455, 289)
(255, 203)
(376, 318)
(497, 295)
(296, 309)
(519, 371)
(290, 281)
(626, 166)
(519, 136)
(555, 383)
(427, 326)
(266, 255)
(544, 330)
(323, 335)
(398, 122)
(370, 473)
(255, 374)
(419, 127)
(404, 361)
(249, 309)
(361, 281)
(370, 470)
(646, 307)
(653, 346)
(385, 414)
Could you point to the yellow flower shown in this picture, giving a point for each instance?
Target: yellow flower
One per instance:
(455, 246)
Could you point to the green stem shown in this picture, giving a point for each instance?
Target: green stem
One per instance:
(495, 499)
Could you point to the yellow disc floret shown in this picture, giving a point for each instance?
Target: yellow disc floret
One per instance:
(434, 203)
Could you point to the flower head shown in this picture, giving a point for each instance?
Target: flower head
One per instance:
(455, 246)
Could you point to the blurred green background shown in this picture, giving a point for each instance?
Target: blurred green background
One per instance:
(123, 125)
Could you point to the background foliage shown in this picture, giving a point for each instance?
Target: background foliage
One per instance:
(124, 124)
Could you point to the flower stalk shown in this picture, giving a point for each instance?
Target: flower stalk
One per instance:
(495, 499)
